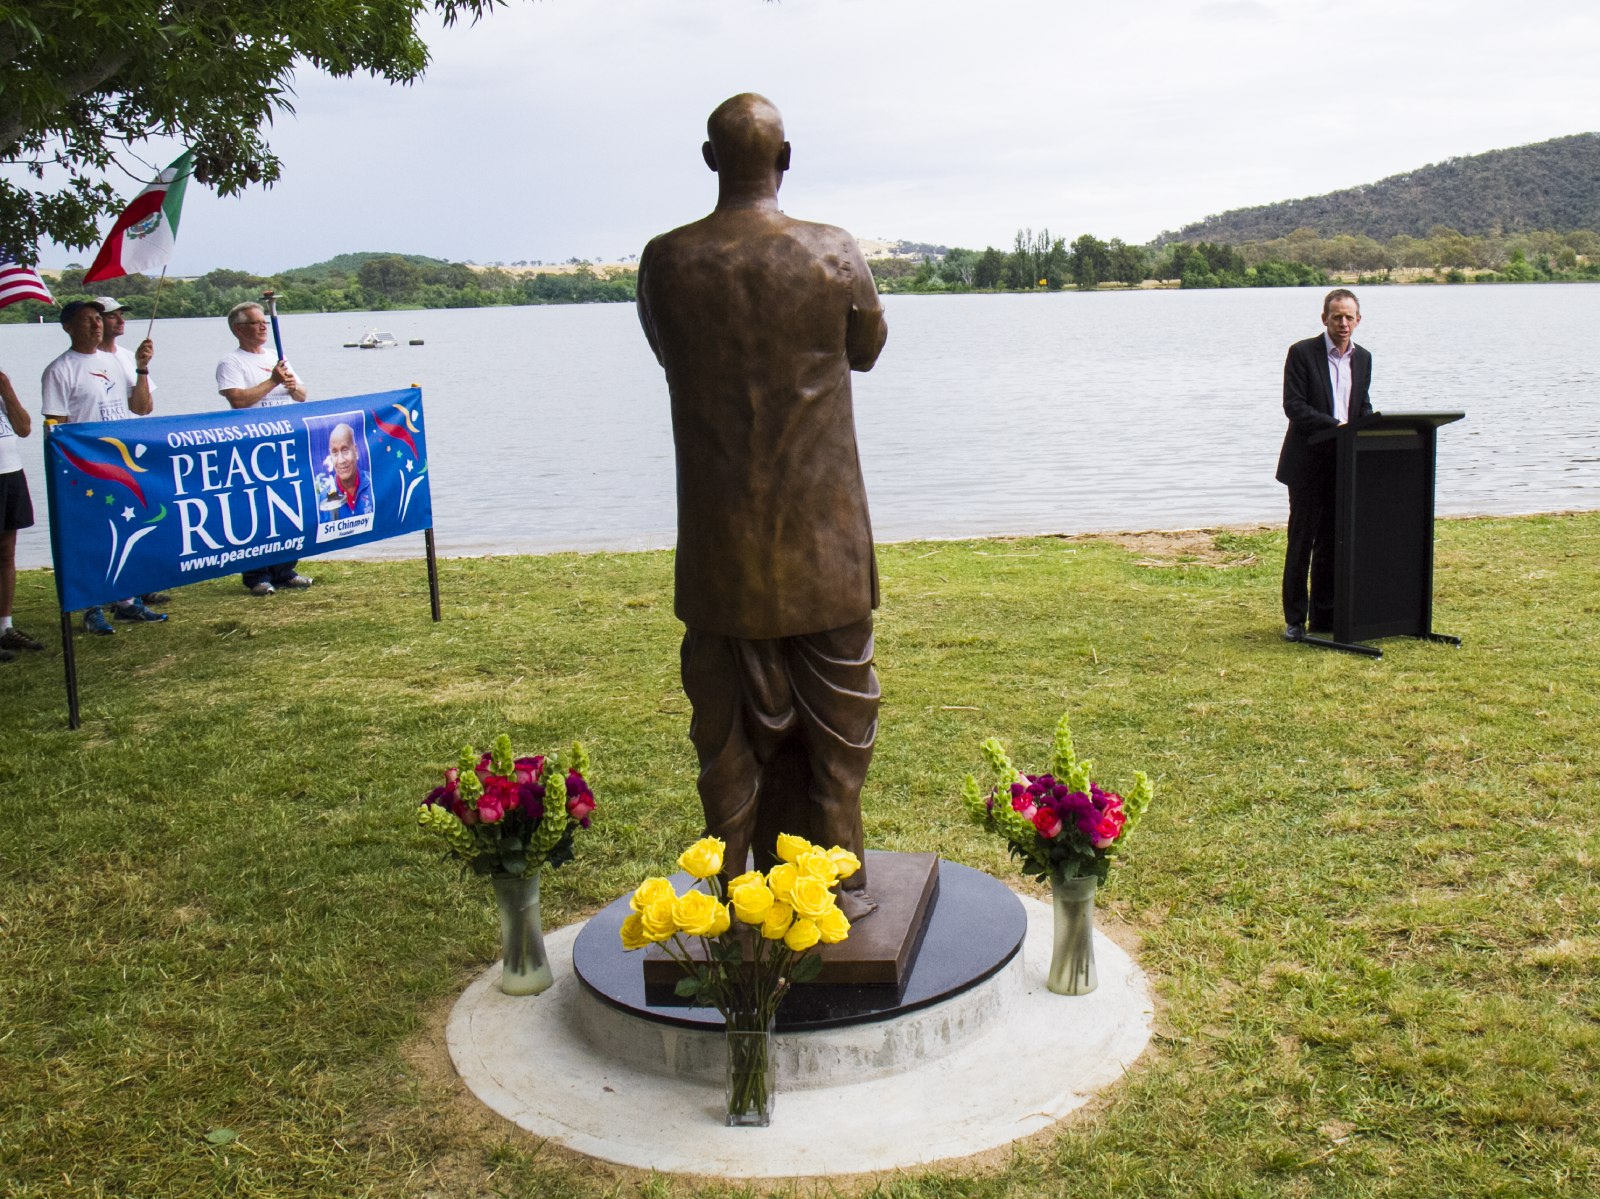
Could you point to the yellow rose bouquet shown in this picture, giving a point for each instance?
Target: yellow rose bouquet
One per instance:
(756, 937)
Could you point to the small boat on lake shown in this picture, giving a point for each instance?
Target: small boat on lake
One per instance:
(377, 340)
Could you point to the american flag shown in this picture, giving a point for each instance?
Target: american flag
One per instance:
(18, 282)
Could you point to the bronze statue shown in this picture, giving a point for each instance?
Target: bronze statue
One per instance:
(758, 320)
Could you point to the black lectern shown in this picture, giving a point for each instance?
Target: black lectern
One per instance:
(1383, 530)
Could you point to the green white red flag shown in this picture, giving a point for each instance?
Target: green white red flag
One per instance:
(142, 239)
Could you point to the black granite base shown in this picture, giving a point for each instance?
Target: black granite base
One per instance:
(976, 927)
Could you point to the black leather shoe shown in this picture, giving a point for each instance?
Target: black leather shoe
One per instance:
(1294, 632)
(14, 638)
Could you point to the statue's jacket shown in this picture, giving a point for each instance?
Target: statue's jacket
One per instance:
(758, 320)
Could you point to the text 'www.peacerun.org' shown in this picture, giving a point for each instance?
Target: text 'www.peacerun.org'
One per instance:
(254, 551)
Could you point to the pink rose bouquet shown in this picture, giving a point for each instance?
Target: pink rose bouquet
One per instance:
(508, 816)
(1061, 824)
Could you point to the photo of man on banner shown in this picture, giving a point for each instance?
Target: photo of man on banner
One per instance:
(343, 480)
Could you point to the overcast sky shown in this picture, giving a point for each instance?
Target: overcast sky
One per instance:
(566, 128)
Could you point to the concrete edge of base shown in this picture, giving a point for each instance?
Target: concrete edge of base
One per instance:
(906, 1096)
(804, 1060)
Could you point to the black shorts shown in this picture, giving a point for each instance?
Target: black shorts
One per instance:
(16, 506)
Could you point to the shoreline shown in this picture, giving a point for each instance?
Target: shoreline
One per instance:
(1183, 540)
(1419, 277)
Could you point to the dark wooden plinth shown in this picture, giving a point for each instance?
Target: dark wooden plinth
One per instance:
(878, 952)
(974, 926)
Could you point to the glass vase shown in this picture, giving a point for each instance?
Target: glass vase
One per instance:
(751, 1075)
(1072, 954)
(525, 967)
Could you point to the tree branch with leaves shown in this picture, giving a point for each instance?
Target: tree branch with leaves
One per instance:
(82, 83)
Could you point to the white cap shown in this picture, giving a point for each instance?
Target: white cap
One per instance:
(107, 304)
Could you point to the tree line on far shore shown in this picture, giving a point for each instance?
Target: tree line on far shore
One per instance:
(1302, 259)
(1036, 261)
(349, 283)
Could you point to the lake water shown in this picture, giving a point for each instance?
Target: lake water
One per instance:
(1053, 413)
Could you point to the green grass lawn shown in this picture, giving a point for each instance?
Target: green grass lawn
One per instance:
(1365, 895)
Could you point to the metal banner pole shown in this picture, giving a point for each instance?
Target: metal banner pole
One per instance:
(270, 299)
(72, 670)
(433, 571)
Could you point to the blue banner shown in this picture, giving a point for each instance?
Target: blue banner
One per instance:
(157, 501)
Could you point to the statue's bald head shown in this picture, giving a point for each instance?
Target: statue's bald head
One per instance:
(746, 140)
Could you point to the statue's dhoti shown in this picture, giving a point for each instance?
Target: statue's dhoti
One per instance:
(784, 730)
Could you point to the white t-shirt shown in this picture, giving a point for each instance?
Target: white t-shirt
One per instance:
(10, 452)
(83, 387)
(130, 368)
(242, 368)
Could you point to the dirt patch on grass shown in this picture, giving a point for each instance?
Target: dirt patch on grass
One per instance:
(1218, 548)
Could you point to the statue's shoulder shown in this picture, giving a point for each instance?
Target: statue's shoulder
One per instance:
(824, 236)
(684, 235)
(723, 239)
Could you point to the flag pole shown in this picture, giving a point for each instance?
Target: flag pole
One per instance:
(154, 302)
(270, 299)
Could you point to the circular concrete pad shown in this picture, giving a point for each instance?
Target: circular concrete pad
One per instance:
(1037, 1057)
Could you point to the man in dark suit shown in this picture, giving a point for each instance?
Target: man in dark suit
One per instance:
(758, 320)
(1326, 380)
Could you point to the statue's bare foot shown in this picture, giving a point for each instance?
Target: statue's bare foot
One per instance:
(856, 905)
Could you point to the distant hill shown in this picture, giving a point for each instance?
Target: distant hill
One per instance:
(1549, 185)
(350, 264)
(874, 248)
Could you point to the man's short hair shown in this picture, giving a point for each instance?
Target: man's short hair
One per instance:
(1340, 293)
(238, 310)
(71, 309)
